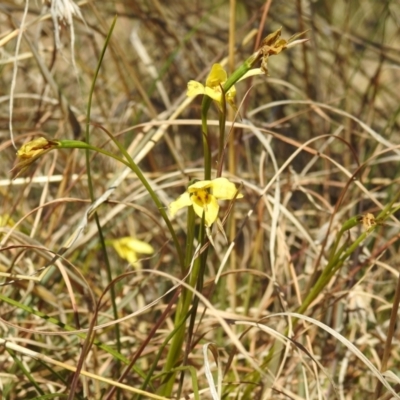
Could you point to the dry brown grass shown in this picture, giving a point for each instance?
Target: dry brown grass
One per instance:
(328, 113)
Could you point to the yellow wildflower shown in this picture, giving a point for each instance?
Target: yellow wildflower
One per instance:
(216, 78)
(203, 196)
(128, 248)
(34, 148)
(31, 151)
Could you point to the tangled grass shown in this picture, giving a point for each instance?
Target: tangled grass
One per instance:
(299, 291)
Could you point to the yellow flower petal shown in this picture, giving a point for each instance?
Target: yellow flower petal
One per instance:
(31, 151)
(203, 195)
(128, 247)
(215, 94)
(216, 77)
(141, 247)
(224, 190)
(211, 211)
(124, 251)
(34, 148)
(182, 201)
(230, 96)
(194, 88)
(198, 209)
(209, 208)
(199, 185)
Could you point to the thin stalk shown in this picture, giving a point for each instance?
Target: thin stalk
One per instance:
(335, 263)
(87, 344)
(134, 167)
(221, 139)
(77, 144)
(205, 106)
(195, 279)
(206, 103)
(182, 313)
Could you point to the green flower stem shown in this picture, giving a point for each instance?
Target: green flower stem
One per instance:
(221, 141)
(346, 226)
(388, 210)
(337, 259)
(134, 167)
(150, 373)
(185, 301)
(76, 144)
(241, 71)
(196, 280)
(87, 343)
(205, 106)
(182, 311)
(187, 298)
(190, 229)
(206, 103)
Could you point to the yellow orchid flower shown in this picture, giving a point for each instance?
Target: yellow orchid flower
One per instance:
(128, 248)
(31, 151)
(203, 196)
(34, 148)
(216, 78)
